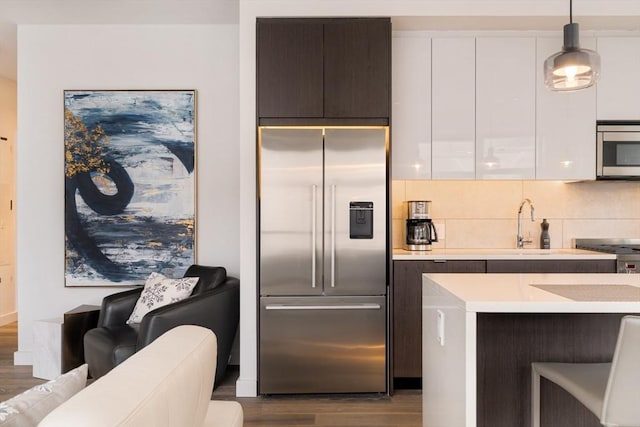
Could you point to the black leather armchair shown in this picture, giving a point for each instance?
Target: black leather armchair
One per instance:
(214, 304)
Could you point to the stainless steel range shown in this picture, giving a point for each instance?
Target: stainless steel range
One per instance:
(627, 251)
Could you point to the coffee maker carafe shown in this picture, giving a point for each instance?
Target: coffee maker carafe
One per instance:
(419, 230)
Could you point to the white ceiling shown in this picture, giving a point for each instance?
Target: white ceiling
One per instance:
(509, 23)
(14, 12)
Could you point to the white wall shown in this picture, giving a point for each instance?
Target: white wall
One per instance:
(8, 113)
(54, 58)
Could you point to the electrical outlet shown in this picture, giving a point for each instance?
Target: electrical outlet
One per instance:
(440, 229)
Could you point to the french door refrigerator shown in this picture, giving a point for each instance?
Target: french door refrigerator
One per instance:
(323, 259)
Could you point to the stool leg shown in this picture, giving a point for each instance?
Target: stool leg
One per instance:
(535, 398)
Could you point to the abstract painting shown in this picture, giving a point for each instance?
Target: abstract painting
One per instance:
(129, 185)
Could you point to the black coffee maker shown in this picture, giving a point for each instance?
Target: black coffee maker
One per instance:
(419, 230)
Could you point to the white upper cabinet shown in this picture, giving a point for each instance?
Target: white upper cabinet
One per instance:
(468, 107)
(453, 110)
(619, 86)
(505, 107)
(565, 123)
(411, 109)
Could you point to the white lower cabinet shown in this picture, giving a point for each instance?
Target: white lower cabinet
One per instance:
(565, 124)
(505, 107)
(411, 110)
(453, 110)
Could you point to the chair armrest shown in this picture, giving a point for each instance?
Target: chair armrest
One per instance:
(117, 308)
(217, 309)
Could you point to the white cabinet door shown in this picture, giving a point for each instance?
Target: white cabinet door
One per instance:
(453, 109)
(505, 107)
(619, 86)
(565, 124)
(411, 110)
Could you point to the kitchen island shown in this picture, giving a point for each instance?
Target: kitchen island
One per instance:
(482, 331)
(408, 268)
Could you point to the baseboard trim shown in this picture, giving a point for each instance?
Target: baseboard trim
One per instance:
(23, 358)
(246, 388)
(5, 319)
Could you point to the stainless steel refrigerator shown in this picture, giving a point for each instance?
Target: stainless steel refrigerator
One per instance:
(323, 259)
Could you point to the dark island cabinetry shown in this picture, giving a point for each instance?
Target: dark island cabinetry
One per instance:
(407, 299)
(316, 70)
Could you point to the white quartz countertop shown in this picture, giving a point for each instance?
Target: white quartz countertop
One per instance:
(514, 293)
(501, 254)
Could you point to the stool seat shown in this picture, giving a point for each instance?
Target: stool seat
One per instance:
(586, 382)
(611, 391)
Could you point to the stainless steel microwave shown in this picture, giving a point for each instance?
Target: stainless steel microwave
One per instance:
(618, 150)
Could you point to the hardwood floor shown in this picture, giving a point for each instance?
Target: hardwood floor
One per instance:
(13, 379)
(403, 409)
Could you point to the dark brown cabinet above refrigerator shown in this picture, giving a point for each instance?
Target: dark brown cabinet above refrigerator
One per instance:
(323, 70)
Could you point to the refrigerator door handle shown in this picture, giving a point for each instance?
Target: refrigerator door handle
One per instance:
(333, 236)
(314, 236)
(324, 307)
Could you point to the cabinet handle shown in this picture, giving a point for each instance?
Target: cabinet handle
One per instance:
(333, 236)
(442, 261)
(314, 237)
(324, 307)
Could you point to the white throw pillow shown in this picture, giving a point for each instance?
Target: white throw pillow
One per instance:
(29, 408)
(159, 291)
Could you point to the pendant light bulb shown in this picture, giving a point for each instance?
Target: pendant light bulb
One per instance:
(572, 68)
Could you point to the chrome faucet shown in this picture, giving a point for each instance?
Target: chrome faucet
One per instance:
(521, 242)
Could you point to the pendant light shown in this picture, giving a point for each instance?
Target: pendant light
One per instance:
(572, 68)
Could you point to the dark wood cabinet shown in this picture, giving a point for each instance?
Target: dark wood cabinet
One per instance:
(323, 71)
(357, 68)
(407, 309)
(290, 76)
(551, 266)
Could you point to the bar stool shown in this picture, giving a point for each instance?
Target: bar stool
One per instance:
(610, 390)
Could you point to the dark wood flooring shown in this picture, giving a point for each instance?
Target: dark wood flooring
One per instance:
(403, 409)
(13, 379)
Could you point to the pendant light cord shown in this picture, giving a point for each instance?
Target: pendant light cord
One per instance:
(571, 11)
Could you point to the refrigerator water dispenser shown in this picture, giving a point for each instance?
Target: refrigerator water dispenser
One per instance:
(361, 220)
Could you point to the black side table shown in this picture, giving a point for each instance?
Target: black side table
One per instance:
(76, 323)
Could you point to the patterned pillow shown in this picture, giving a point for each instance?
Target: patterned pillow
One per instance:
(29, 408)
(159, 291)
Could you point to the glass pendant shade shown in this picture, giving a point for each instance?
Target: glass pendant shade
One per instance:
(572, 68)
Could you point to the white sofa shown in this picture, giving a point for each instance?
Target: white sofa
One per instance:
(166, 384)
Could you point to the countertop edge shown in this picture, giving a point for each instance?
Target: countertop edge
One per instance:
(513, 292)
(499, 254)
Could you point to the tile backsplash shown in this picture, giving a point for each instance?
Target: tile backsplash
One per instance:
(483, 214)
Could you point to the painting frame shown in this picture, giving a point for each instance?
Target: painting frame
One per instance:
(130, 185)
